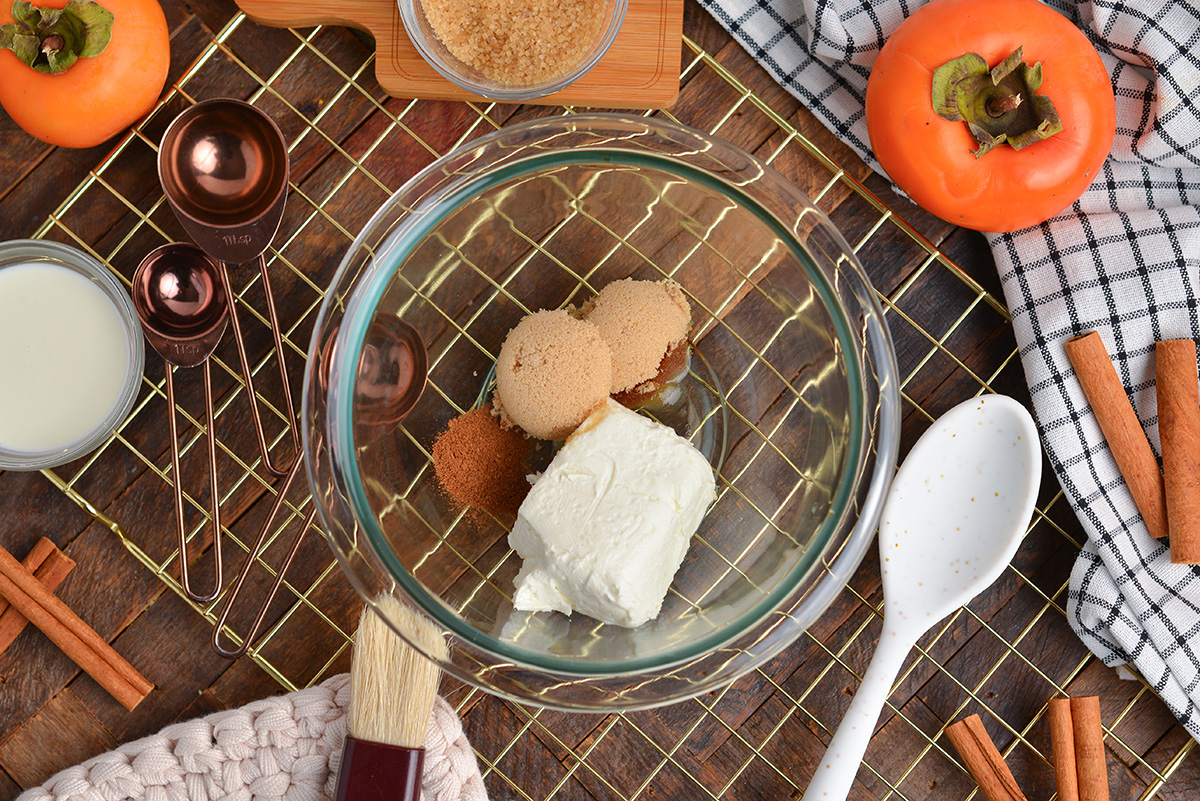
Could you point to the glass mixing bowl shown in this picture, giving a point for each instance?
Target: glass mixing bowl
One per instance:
(791, 394)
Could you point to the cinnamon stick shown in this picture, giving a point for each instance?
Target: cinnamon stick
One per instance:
(1090, 764)
(1178, 387)
(50, 566)
(1062, 745)
(983, 761)
(65, 629)
(1121, 428)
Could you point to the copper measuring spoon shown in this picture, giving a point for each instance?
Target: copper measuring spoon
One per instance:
(224, 168)
(392, 373)
(183, 307)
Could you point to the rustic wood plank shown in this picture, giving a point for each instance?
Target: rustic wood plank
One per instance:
(556, 729)
(494, 722)
(61, 734)
(897, 746)
(43, 512)
(305, 645)
(706, 99)
(169, 644)
(28, 203)
(242, 683)
(1141, 729)
(8, 785)
(214, 14)
(534, 766)
(794, 669)
(1185, 782)
(204, 704)
(23, 156)
(703, 29)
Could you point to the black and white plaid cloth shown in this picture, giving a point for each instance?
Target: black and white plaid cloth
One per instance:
(1124, 260)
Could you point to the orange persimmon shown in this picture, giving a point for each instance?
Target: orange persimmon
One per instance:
(950, 145)
(102, 92)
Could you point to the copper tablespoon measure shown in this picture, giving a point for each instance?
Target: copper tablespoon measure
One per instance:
(183, 307)
(224, 168)
(392, 371)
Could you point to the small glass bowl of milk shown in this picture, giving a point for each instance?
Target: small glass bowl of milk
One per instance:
(71, 354)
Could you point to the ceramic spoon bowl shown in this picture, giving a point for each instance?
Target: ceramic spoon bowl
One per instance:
(954, 516)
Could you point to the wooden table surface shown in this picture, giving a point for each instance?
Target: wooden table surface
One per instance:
(760, 738)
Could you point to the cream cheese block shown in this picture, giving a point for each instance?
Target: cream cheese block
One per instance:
(606, 526)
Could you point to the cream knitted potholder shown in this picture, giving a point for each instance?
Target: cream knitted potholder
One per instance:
(284, 747)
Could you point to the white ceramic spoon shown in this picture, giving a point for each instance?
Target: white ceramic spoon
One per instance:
(953, 519)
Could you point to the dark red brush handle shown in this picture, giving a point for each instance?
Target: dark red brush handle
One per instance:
(379, 772)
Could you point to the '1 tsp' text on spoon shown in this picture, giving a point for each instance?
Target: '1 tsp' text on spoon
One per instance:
(954, 516)
(181, 303)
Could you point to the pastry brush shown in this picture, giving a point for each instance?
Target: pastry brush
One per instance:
(392, 689)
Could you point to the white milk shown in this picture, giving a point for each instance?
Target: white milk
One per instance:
(64, 355)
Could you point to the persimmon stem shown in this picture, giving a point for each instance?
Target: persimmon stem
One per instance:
(51, 40)
(53, 43)
(999, 104)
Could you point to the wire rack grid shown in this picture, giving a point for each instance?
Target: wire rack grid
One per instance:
(1003, 656)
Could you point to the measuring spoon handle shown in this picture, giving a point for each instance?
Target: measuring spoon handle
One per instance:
(838, 767)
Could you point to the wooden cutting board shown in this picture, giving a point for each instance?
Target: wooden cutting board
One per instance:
(640, 70)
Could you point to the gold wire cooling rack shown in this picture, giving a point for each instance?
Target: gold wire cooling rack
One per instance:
(1003, 656)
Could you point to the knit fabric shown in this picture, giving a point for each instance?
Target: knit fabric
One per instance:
(284, 748)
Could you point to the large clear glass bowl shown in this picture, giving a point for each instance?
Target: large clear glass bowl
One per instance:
(791, 394)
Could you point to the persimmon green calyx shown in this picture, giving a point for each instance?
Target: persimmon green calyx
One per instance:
(999, 104)
(51, 40)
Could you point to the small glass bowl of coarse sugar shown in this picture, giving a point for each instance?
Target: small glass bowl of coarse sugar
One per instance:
(512, 50)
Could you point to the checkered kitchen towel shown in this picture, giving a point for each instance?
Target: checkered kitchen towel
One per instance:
(1124, 260)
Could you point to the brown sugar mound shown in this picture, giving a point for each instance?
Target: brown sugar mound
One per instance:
(553, 371)
(642, 322)
(517, 42)
(479, 463)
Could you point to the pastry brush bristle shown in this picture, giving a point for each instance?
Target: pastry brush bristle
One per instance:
(392, 686)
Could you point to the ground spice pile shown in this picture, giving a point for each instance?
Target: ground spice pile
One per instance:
(517, 42)
(481, 464)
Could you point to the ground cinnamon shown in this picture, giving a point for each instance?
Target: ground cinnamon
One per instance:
(480, 464)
